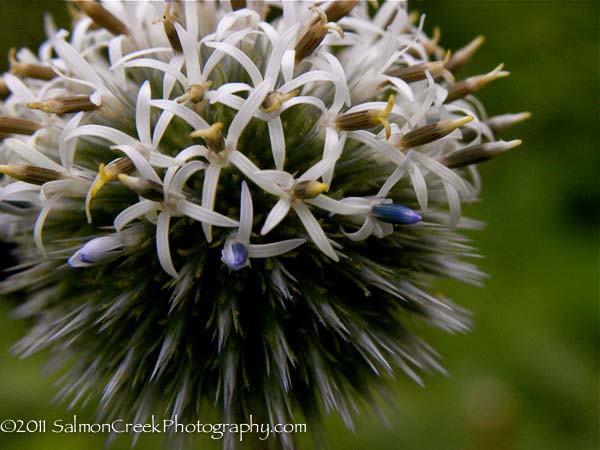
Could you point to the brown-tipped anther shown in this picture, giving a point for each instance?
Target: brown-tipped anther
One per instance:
(18, 126)
(363, 120)
(28, 70)
(374, 4)
(102, 17)
(4, 90)
(339, 9)
(431, 45)
(314, 35)
(503, 121)
(472, 84)
(168, 21)
(477, 153)
(275, 99)
(238, 4)
(106, 174)
(144, 188)
(30, 174)
(417, 72)
(65, 105)
(433, 132)
(195, 92)
(308, 189)
(463, 55)
(213, 137)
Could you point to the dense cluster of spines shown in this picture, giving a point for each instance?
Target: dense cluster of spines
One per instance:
(228, 204)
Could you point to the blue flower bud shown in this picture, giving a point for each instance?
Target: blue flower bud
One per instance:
(399, 214)
(235, 255)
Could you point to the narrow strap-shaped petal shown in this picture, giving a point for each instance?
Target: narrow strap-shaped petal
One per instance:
(276, 57)
(192, 151)
(142, 114)
(277, 142)
(148, 63)
(138, 53)
(453, 203)
(191, 54)
(176, 62)
(66, 147)
(246, 212)
(225, 90)
(41, 220)
(133, 212)
(442, 171)
(279, 177)
(363, 232)
(209, 192)
(162, 244)
(273, 249)
(419, 185)
(383, 147)
(248, 168)
(336, 207)
(183, 112)
(245, 114)
(31, 155)
(201, 214)
(104, 132)
(306, 100)
(176, 183)
(240, 57)
(391, 181)
(141, 164)
(276, 215)
(305, 78)
(115, 53)
(314, 230)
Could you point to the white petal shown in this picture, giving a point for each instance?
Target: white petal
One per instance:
(168, 81)
(383, 147)
(245, 114)
(138, 53)
(162, 244)
(161, 127)
(142, 114)
(101, 131)
(363, 232)
(336, 207)
(115, 53)
(246, 214)
(248, 168)
(396, 176)
(453, 203)
(419, 185)
(240, 57)
(192, 55)
(442, 171)
(140, 163)
(40, 221)
(226, 90)
(304, 99)
(279, 177)
(148, 63)
(275, 59)
(401, 86)
(66, 147)
(201, 214)
(273, 249)
(181, 111)
(276, 215)
(30, 155)
(133, 212)
(315, 231)
(288, 62)
(176, 183)
(305, 78)
(209, 192)
(277, 142)
(18, 89)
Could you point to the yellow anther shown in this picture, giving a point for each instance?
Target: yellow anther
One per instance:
(275, 99)
(309, 189)
(212, 135)
(382, 116)
(195, 92)
(105, 175)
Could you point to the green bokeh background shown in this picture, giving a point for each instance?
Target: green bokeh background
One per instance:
(526, 377)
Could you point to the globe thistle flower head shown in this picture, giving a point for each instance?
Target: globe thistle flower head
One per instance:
(240, 208)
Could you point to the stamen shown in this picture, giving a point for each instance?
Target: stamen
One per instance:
(417, 72)
(396, 214)
(105, 175)
(503, 121)
(463, 55)
(213, 137)
(144, 188)
(314, 35)
(478, 153)
(65, 105)
(473, 84)
(431, 45)
(308, 189)
(432, 132)
(195, 92)
(168, 21)
(28, 70)
(30, 174)
(362, 120)
(4, 91)
(102, 16)
(275, 99)
(18, 126)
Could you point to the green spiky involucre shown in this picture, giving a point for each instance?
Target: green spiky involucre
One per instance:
(235, 209)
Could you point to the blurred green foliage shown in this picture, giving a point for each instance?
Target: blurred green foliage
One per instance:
(526, 377)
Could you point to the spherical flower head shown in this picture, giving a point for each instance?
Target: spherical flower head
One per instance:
(240, 207)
